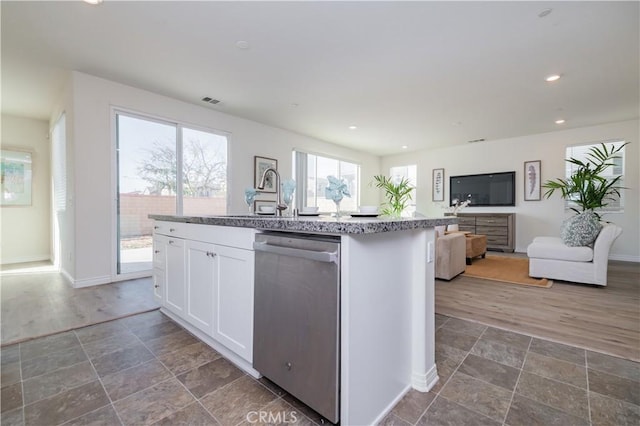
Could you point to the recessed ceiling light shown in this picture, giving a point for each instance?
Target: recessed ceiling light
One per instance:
(93, 1)
(241, 44)
(353, 127)
(544, 12)
(553, 77)
(404, 147)
(561, 121)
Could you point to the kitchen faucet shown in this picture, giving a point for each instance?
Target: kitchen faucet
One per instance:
(280, 206)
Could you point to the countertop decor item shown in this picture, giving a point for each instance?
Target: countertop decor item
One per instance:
(457, 205)
(397, 193)
(264, 207)
(336, 190)
(288, 189)
(249, 197)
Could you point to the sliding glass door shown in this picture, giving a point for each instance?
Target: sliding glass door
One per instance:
(163, 168)
(146, 160)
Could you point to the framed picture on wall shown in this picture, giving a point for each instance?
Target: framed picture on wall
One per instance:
(438, 185)
(15, 178)
(260, 165)
(532, 179)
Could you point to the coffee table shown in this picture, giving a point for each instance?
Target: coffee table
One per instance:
(476, 246)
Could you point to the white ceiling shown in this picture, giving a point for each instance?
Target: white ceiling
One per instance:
(421, 74)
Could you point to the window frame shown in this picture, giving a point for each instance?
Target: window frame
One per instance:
(412, 208)
(569, 167)
(300, 173)
(179, 125)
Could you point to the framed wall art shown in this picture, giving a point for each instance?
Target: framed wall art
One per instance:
(15, 178)
(532, 179)
(438, 185)
(260, 165)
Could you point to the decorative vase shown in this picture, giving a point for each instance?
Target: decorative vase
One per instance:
(287, 198)
(249, 198)
(337, 207)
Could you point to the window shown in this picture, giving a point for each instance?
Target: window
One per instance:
(411, 173)
(311, 173)
(59, 164)
(163, 168)
(580, 152)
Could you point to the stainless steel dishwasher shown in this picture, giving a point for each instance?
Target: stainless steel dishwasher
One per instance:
(296, 317)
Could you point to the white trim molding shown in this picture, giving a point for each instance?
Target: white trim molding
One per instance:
(25, 259)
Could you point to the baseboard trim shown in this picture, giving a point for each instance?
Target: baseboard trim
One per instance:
(67, 276)
(424, 382)
(624, 258)
(25, 259)
(89, 282)
(390, 407)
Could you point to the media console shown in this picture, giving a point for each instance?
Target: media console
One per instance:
(500, 228)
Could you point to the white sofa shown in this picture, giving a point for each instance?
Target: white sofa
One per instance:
(550, 258)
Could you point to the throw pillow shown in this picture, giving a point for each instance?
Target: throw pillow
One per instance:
(581, 229)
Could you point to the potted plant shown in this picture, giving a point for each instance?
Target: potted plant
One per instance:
(397, 193)
(587, 187)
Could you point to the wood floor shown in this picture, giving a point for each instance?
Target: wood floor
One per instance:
(603, 319)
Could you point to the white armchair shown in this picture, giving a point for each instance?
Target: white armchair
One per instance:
(550, 258)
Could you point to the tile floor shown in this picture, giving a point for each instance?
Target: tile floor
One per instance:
(146, 369)
(36, 303)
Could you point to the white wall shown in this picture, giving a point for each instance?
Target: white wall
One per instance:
(533, 218)
(92, 133)
(26, 230)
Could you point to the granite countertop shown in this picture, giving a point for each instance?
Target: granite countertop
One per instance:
(320, 224)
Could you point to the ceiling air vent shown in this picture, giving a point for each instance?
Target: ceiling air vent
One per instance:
(476, 140)
(210, 100)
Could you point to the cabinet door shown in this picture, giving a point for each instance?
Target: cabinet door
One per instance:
(201, 273)
(174, 278)
(158, 285)
(233, 322)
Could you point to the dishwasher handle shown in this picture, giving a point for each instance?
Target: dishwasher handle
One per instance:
(320, 256)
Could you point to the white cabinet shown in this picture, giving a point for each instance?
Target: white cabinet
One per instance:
(174, 277)
(208, 284)
(168, 272)
(233, 323)
(201, 276)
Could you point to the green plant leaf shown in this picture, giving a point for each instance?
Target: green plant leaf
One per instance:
(397, 194)
(587, 187)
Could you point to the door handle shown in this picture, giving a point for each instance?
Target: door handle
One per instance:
(320, 256)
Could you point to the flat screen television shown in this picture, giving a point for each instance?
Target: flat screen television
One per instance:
(488, 189)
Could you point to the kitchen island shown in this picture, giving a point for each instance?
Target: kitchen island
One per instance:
(387, 317)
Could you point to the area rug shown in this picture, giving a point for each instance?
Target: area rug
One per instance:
(513, 270)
